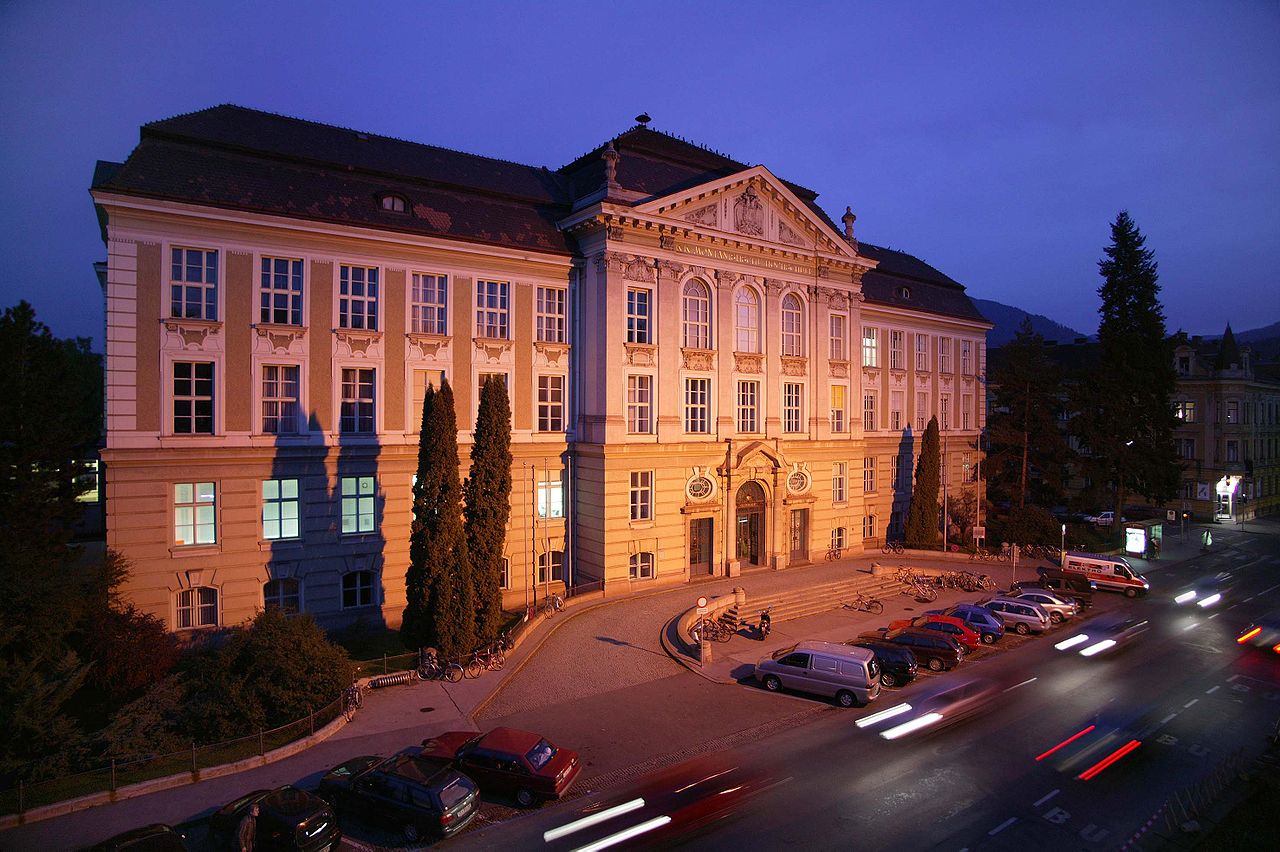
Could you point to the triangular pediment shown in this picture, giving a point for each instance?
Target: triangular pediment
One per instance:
(751, 206)
(758, 454)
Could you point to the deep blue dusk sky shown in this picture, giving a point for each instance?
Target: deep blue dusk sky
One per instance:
(996, 141)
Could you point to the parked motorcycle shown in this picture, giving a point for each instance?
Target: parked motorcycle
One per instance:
(766, 625)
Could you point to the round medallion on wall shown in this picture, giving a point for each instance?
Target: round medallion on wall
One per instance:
(798, 482)
(699, 487)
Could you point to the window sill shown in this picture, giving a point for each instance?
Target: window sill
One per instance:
(642, 525)
(360, 538)
(275, 544)
(182, 550)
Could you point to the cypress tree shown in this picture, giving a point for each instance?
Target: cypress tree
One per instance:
(1125, 419)
(922, 517)
(439, 611)
(487, 492)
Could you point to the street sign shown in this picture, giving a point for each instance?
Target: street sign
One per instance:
(1171, 514)
(702, 602)
(979, 532)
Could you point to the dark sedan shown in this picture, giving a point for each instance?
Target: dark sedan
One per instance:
(897, 663)
(523, 766)
(418, 797)
(288, 818)
(938, 652)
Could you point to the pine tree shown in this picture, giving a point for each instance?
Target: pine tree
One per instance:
(1029, 452)
(487, 492)
(1125, 418)
(440, 610)
(922, 517)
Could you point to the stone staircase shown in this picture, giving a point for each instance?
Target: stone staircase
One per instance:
(797, 603)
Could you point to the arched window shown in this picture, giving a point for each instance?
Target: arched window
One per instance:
(553, 561)
(697, 316)
(392, 203)
(746, 321)
(837, 538)
(642, 566)
(357, 589)
(197, 607)
(282, 594)
(792, 325)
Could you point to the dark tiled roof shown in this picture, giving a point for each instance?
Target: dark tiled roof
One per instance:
(930, 290)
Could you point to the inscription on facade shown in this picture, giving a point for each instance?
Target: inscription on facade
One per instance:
(735, 257)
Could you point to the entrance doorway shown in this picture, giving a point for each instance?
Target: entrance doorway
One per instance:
(749, 530)
(799, 535)
(700, 546)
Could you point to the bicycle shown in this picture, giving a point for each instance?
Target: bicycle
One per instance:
(432, 667)
(554, 604)
(862, 603)
(833, 554)
(893, 547)
(925, 593)
(352, 699)
(504, 642)
(486, 659)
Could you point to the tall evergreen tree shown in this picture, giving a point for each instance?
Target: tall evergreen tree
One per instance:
(1125, 418)
(922, 517)
(1029, 452)
(440, 609)
(487, 492)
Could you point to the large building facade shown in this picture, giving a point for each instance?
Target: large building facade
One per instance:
(707, 375)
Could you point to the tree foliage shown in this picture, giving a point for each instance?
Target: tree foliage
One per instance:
(487, 493)
(1028, 458)
(1030, 525)
(440, 608)
(922, 517)
(1125, 420)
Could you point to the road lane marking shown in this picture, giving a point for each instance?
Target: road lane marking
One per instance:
(1232, 678)
(1002, 826)
(1046, 798)
(1189, 703)
(1167, 718)
(1215, 615)
(1024, 683)
(1211, 691)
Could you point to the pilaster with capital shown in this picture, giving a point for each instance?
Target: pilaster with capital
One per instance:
(667, 390)
(771, 339)
(723, 325)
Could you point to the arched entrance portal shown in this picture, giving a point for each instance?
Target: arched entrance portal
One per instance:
(749, 526)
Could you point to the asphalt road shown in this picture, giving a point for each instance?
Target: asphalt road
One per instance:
(1184, 690)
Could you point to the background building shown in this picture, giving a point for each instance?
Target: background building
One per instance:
(706, 373)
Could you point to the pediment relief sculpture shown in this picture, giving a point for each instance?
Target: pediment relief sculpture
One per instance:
(639, 269)
(839, 369)
(193, 335)
(641, 354)
(748, 213)
(698, 359)
(428, 347)
(794, 366)
(748, 362)
(707, 215)
(280, 340)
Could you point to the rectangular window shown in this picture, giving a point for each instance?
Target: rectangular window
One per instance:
(922, 353)
(868, 526)
(1233, 411)
(966, 411)
(1187, 448)
(897, 350)
(429, 308)
(944, 354)
(869, 475)
(197, 607)
(922, 411)
(550, 403)
(640, 405)
(966, 469)
(280, 399)
(642, 495)
(280, 509)
(897, 401)
(839, 337)
(551, 498)
(697, 406)
(280, 291)
(966, 357)
(748, 407)
(358, 297)
(870, 347)
(895, 472)
(357, 589)
(551, 563)
(944, 411)
(869, 420)
(839, 407)
(194, 513)
(639, 328)
(357, 414)
(422, 379)
(550, 315)
(285, 595)
(357, 504)
(493, 309)
(193, 397)
(193, 287)
(1233, 451)
(792, 406)
(839, 475)
(504, 576)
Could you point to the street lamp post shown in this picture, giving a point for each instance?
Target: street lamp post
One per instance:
(1062, 560)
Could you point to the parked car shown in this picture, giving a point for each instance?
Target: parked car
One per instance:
(897, 663)
(417, 796)
(849, 675)
(951, 626)
(1080, 589)
(1022, 616)
(1104, 634)
(1107, 572)
(984, 622)
(523, 766)
(1103, 519)
(288, 818)
(157, 837)
(1059, 608)
(932, 649)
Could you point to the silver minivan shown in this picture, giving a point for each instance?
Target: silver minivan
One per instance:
(1021, 616)
(849, 675)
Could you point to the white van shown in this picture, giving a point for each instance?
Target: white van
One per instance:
(1107, 572)
(847, 674)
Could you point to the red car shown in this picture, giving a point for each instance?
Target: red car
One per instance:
(505, 761)
(950, 625)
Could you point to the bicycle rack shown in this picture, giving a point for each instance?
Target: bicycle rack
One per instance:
(390, 680)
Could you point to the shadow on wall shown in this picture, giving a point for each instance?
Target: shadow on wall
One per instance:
(903, 481)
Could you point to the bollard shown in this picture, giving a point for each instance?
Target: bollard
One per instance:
(194, 769)
(311, 715)
(262, 749)
(739, 597)
(113, 774)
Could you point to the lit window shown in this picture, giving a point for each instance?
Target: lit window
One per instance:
(641, 566)
(839, 475)
(357, 415)
(748, 406)
(550, 315)
(697, 406)
(639, 328)
(493, 309)
(193, 287)
(280, 509)
(192, 397)
(357, 589)
(838, 407)
(696, 308)
(392, 203)
(642, 495)
(746, 321)
(870, 347)
(358, 297)
(639, 405)
(551, 498)
(280, 293)
(550, 403)
(280, 403)
(357, 504)
(194, 513)
(197, 607)
(284, 595)
(429, 308)
(792, 406)
(792, 325)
